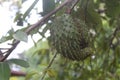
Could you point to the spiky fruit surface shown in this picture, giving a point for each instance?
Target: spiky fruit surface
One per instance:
(70, 37)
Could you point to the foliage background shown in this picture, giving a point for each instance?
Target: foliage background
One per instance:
(103, 18)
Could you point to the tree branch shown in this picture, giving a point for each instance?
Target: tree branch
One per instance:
(41, 22)
(18, 73)
(10, 50)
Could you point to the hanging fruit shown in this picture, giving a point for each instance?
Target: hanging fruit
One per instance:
(70, 37)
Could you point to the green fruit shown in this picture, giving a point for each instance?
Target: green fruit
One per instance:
(70, 37)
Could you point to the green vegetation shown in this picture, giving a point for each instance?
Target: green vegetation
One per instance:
(84, 42)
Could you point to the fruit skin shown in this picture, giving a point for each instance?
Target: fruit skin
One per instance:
(70, 37)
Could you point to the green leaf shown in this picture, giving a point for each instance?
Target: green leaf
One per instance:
(48, 6)
(30, 75)
(8, 36)
(113, 8)
(18, 16)
(4, 71)
(92, 16)
(19, 62)
(87, 13)
(30, 8)
(118, 71)
(43, 45)
(51, 73)
(11, 31)
(20, 35)
(5, 38)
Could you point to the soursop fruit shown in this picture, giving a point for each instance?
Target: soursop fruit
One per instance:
(70, 37)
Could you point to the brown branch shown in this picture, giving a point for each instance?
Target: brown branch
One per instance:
(18, 73)
(10, 50)
(1, 54)
(39, 23)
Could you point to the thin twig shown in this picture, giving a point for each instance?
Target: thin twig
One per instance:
(75, 2)
(38, 24)
(71, 5)
(4, 48)
(49, 65)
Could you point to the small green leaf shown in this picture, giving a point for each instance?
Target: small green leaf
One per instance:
(8, 36)
(22, 36)
(4, 39)
(118, 71)
(30, 75)
(4, 71)
(43, 45)
(18, 16)
(19, 62)
(11, 31)
(51, 73)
